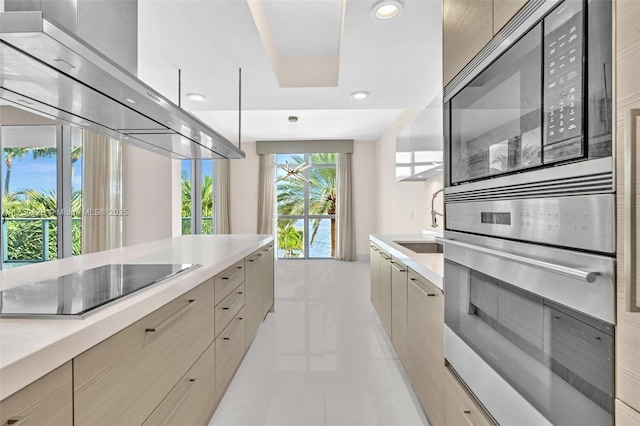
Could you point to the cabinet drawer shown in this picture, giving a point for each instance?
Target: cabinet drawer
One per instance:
(125, 377)
(267, 287)
(230, 348)
(192, 400)
(47, 401)
(228, 308)
(460, 407)
(229, 279)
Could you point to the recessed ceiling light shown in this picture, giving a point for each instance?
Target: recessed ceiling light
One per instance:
(386, 9)
(358, 96)
(169, 122)
(131, 101)
(196, 97)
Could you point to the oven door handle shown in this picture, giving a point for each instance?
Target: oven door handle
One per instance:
(630, 206)
(539, 264)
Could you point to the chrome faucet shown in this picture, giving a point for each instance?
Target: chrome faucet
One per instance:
(434, 213)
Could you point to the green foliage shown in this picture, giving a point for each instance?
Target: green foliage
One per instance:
(29, 217)
(207, 205)
(322, 198)
(289, 239)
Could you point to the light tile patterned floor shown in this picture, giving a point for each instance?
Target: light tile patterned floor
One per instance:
(322, 358)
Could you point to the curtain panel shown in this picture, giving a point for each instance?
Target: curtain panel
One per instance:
(101, 192)
(266, 194)
(346, 244)
(222, 196)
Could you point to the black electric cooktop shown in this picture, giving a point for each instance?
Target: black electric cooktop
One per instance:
(76, 294)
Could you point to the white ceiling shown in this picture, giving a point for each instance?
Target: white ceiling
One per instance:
(397, 61)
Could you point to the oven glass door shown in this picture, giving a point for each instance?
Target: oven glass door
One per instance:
(558, 359)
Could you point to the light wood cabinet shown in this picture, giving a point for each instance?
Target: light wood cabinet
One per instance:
(259, 289)
(385, 292)
(125, 377)
(230, 349)
(625, 415)
(425, 319)
(467, 28)
(173, 366)
(627, 99)
(253, 296)
(228, 280)
(374, 256)
(190, 401)
(268, 279)
(460, 407)
(47, 401)
(229, 308)
(503, 11)
(399, 309)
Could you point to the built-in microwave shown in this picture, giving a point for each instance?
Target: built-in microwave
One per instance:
(544, 101)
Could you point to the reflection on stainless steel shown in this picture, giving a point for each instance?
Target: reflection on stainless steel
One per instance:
(434, 213)
(46, 69)
(75, 294)
(593, 298)
(584, 222)
(538, 347)
(421, 247)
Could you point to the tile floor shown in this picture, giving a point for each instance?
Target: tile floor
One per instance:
(322, 358)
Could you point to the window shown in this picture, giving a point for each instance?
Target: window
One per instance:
(306, 203)
(197, 211)
(42, 171)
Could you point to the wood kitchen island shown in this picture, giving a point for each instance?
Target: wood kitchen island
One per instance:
(193, 329)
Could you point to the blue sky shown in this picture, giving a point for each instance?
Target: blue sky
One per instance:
(39, 174)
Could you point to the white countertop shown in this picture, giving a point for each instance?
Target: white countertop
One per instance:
(429, 265)
(30, 348)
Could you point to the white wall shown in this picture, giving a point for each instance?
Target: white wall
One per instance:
(147, 186)
(403, 207)
(365, 183)
(244, 192)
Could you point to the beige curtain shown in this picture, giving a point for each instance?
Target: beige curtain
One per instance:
(222, 193)
(346, 244)
(101, 193)
(266, 193)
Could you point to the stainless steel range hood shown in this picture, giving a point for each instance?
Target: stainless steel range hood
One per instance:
(48, 70)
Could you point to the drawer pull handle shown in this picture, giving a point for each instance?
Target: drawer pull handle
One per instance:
(268, 249)
(237, 327)
(15, 420)
(467, 412)
(630, 218)
(430, 294)
(234, 274)
(233, 303)
(398, 267)
(255, 258)
(385, 256)
(172, 319)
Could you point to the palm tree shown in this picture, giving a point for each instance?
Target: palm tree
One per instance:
(322, 194)
(10, 155)
(207, 204)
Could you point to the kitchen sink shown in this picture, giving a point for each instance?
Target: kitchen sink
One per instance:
(421, 247)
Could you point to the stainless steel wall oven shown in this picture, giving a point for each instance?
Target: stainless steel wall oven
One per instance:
(529, 238)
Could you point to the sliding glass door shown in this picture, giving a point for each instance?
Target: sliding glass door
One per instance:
(306, 200)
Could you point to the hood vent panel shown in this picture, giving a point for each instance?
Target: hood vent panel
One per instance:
(50, 71)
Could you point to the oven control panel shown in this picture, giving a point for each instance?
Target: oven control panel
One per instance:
(581, 222)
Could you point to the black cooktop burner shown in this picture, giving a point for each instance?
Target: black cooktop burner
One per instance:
(76, 294)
